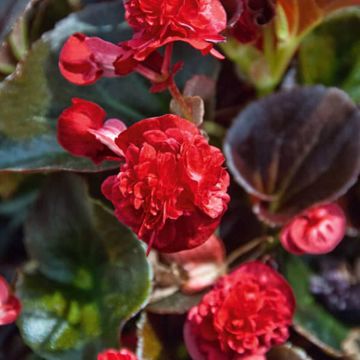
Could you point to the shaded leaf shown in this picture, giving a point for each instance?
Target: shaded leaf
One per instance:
(6, 59)
(178, 303)
(351, 344)
(90, 274)
(302, 15)
(331, 54)
(9, 184)
(295, 149)
(27, 126)
(10, 10)
(287, 352)
(311, 319)
(149, 345)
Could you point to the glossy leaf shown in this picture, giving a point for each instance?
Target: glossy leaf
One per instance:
(89, 274)
(295, 149)
(331, 54)
(311, 319)
(35, 96)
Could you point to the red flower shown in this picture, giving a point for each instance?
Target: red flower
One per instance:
(111, 354)
(82, 131)
(201, 266)
(159, 22)
(83, 60)
(172, 188)
(10, 306)
(317, 230)
(246, 313)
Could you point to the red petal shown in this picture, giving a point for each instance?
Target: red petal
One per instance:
(83, 60)
(136, 133)
(75, 127)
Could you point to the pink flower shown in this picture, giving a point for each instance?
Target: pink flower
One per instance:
(248, 312)
(160, 22)
(111, 354)
(171, 191)
(83, 131)
(317, 230)
(10, 306)
(83, 60)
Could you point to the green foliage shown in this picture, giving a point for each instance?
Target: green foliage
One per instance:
(331, 54)
(89, 274)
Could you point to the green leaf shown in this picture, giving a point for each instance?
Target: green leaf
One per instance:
(88, 276)
(331, 54)
(36, 95)
(311, 319)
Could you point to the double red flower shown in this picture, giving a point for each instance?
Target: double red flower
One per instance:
(171, 188)
(83, 60)
(248, 312)
(159, 22)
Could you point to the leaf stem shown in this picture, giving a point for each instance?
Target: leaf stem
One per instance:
(236, 254)
(179, 98)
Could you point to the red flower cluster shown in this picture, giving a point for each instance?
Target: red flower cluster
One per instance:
(83, 60)
(172, 188)
(247, 313)
(317, 230)
(10, 306)
(111, 354)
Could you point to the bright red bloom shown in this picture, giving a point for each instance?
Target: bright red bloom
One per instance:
(83, 60)
(83, 131)
(201, 266)
(159, 22)
(317, 230)
(111, 354)
(172, 188)
(10, 306)
(248, 312)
